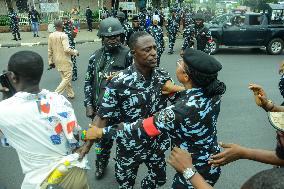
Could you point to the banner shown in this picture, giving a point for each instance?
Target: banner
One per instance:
(49, 7)
(127, 5)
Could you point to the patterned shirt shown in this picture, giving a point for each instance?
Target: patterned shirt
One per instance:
(130, 97)
(173, 25)
(157, 33)
(191, 122)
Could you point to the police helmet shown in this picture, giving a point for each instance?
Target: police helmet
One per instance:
(110, 27)
(120, 15)
(199, 16)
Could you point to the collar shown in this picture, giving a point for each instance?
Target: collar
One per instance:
(139, 75)
(29, 96)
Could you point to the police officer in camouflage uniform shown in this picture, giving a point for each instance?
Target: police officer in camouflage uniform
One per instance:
(69, 30)
(172, 28)
(198, 34)
(191, 121)
(142, 17)
(157, 32)
(136, 93)
(126, 27)
(14, 24)
(135, 27)
(103, 64)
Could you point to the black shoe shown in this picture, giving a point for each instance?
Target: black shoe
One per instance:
(37, 35)
(74, 79)
(171, 52)
(100, 169)
(34, 35)
(15, 39)
(19, 39)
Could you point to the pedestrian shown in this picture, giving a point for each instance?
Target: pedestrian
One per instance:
(40, 125)
(198, 35)
(126, 35)
(136, 93)
(89, 18)
(172, 28)
(103, 64)
(59, 56)
(71, 32)
(157, 32)
(34, 18)
(14, 24)
(190, 121)
(75, 16)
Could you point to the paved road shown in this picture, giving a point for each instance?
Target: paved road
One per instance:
(240, 121)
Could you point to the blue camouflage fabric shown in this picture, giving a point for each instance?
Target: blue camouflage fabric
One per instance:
(126, 35)
(68, 29)
(172, 28)
(14, 24)
(191, 123)
(128, 97)
(142, 17)
(281, 86)
(201, 35)
(157, 33)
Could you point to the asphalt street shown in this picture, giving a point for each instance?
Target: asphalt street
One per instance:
(240, 120)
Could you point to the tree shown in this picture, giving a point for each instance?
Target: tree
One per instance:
(257, 4)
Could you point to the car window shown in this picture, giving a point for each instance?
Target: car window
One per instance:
(238, 20)
(255, 20)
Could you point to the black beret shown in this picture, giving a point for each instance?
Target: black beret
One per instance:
(135, 18)
(201, 62)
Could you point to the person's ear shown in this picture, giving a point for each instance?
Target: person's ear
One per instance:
(14, 78)
(132, 53)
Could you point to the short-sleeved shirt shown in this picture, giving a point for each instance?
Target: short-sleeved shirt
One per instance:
(42, 128)
(130, 96)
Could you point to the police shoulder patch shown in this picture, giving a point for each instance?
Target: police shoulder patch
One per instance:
(166, 116)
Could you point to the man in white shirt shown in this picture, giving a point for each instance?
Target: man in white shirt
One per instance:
(40, 125)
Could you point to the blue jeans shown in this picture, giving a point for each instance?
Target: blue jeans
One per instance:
(35, 27)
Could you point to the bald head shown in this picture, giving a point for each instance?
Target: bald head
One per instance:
(27, 65)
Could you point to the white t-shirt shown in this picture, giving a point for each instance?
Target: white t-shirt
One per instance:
(41, 128)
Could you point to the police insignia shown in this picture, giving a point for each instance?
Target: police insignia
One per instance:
(166, 116)
(109, 30)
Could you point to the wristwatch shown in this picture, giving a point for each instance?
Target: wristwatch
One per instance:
(188, 173)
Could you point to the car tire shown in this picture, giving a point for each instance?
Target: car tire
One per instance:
(214, 46)
(275, 46)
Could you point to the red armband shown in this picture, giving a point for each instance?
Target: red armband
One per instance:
(150, 128)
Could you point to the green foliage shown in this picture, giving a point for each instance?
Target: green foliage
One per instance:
(256, 4)
(4, 20)
(96, 15)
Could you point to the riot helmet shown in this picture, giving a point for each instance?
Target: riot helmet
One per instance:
(120, 16)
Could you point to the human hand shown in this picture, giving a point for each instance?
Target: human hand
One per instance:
(83, 150)
(90, 113)
(5, 92)
(94, 133)
(180, 160)
(259, 95)
(232, 152)
(170, 87)
(281, 68)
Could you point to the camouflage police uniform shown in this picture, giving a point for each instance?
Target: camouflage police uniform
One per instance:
(125, 96)
(157, 33)
(199, 34)
(172, 28)
(102, 64)
(14, 25)
(142, 17)
(68, 29)
(281, 87)
(127, 29)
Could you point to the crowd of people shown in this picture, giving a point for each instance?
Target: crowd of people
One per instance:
(129, 99)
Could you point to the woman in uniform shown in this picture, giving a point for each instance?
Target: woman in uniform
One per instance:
(191, 121)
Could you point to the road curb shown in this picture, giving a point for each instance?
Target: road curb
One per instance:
(10, 45)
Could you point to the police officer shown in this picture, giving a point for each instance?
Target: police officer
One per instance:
(89, 18)
(157, 32)
(187, 18)
(103, 64)
(172, 28)
(126, 27)
(136, 93)
(190, 121)
(199, 34)
(135, 27)
(142, 17)
(14, 24)
(69, 30)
